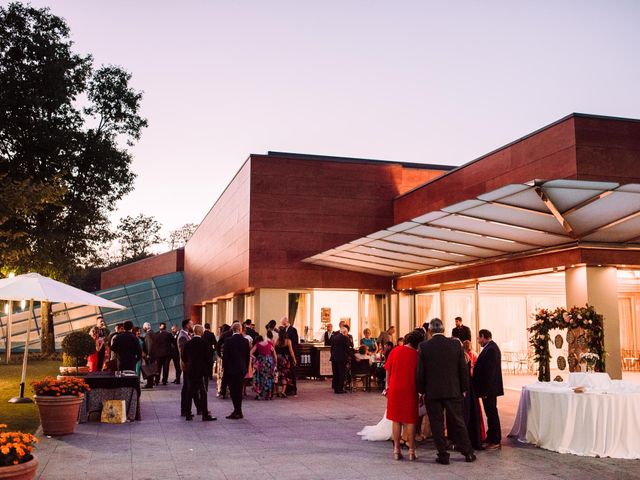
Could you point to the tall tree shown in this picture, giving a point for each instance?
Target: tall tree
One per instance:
(180, 236)
(137, 235)
(61, 122)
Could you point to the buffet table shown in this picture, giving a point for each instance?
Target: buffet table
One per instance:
(603, 421)
(106, 386)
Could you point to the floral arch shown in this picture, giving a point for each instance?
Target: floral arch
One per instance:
(580, 322)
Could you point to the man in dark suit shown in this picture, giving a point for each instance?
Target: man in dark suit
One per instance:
(210, 339)
(340, 353)
(292, 334)
(249, 329)
(163, 342)
(195, 358)
(181, 341)
(175, 355)
(487, 382)
(235, 362)
(461, 332)
(327, 335)
(442, 377)
(126, 348)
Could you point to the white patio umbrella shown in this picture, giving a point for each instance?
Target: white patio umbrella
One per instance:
(37, 288)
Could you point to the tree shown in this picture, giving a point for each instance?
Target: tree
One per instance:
(137, 235)
(62, 123)
(179, 237)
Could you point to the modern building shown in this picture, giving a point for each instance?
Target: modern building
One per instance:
(551, 219)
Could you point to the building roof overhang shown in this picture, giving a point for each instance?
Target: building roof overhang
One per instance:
(514, 220)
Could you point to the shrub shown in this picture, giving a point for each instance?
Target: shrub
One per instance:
(77, 346)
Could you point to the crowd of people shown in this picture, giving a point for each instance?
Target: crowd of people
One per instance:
(435, 385)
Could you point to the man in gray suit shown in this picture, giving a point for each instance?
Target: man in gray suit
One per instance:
(442, 377)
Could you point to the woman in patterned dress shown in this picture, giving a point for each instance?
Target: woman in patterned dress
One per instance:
(264, 360)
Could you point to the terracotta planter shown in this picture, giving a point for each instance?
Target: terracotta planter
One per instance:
(58, 415)
(22, 471)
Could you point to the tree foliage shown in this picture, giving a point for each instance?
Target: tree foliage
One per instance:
(179, 237)
(137, 235)
(64, 131)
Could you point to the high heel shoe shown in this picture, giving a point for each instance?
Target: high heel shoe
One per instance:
(412, 455)
(397, 455)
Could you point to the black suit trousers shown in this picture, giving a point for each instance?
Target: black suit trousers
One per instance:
(235, 382)
(175, 357)
(163, 366)
(339, 374)
(185, 400)
(455, 422)
(197, 394)
(494, 434)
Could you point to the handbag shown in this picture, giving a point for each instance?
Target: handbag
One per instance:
(149, 370)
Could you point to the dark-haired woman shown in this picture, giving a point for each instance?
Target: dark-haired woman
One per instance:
(402, 393)
(264, 355)
(286, 358)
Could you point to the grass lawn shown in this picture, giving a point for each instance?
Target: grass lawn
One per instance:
(23, 417)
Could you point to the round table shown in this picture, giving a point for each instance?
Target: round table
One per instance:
(599, 422)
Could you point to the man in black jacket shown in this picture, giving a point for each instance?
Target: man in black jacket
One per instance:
(487, 382)
(175, 355)
(210, 339)
(461, 332)
(195, 358)
(340, 353)
(327, 335)
(126, 348)
(163, 345)
(235, 362)
(442, 377)
(292, 334)
(149, 349)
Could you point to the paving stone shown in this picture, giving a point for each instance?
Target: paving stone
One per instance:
(309, 437)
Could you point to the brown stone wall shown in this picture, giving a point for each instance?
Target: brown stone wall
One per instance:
(168, 262)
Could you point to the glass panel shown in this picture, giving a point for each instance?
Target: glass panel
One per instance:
(149, 307)
(172, 301)
(139, 286)
(113, 293)
(143, 297)
(171, 289)
(176, 314)
(176, 277)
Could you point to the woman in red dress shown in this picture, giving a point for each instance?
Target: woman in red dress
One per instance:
(92, 360)
(402, 394)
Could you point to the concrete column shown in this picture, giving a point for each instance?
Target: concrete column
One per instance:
(208, 314)
(598, 286)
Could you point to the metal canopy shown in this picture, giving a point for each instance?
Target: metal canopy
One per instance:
(512, 219)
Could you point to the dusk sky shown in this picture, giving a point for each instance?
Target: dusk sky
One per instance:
(431, 82)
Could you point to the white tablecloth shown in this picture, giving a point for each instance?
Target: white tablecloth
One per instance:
(603, 423)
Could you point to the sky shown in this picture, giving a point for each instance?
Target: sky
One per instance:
(418, 81)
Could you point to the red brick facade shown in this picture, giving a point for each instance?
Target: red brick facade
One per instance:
(168, 262)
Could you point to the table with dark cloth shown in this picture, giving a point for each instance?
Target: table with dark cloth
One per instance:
(106, 386)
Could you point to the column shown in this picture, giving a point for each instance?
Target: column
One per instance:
(598, 286)
(406, 314)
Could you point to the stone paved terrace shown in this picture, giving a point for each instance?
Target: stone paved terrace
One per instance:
(309, 437)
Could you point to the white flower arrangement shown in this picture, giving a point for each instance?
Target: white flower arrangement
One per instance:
(589, 357)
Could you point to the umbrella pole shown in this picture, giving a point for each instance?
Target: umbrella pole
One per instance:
(22, 398)
(9, 331)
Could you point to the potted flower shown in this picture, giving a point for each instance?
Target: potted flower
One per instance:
(590, 360)
(17, 461)
(58, 403)
(76, 347)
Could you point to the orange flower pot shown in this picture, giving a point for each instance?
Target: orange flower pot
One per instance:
(22, 471)
(58, 415)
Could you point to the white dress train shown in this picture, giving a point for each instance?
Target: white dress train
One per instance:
(378, 433)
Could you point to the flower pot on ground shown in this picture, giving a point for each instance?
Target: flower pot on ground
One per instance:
(17, 461)
(59, 403)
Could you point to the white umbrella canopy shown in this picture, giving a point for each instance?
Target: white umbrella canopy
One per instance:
(37, 288)
(33, 286)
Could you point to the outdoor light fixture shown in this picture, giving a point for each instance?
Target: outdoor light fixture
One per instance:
(23, 304)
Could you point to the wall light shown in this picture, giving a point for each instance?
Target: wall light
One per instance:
(23, 304)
